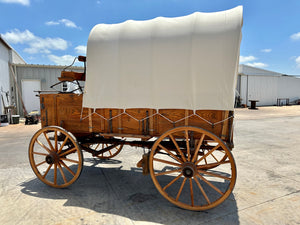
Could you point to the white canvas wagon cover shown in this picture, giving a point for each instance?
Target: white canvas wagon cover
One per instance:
(187, 62)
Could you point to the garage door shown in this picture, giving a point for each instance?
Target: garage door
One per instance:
(31, 102)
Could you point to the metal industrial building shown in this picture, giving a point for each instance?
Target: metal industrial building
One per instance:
(31, 78)
(267, 87)
(8, 56)
(19, 80)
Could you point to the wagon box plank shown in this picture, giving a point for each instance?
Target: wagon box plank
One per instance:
(66, 110)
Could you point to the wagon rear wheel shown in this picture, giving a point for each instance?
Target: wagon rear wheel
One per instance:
(190, 173)
(108, 154)
(55, 156)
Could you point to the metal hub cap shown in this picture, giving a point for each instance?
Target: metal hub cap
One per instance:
(50, 159)
(189, 169)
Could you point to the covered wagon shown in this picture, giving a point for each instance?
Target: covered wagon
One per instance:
(166, 84)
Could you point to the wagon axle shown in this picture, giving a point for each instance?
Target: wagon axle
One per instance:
(189, 169)
(51, 158)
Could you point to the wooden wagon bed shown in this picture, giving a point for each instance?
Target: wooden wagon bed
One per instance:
(65, 110)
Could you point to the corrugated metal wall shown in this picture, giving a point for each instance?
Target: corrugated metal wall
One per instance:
(46, 74)
(289, 87)
(4, 73)
(266, 89)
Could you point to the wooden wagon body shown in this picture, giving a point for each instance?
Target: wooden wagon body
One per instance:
(186, 124)
(66, 110)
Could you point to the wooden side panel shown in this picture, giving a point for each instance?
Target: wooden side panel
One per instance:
(65, 110)
(48, 109)
(69, 112)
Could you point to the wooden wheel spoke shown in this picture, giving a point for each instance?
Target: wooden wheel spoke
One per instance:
(202, 190)
(109, 153)
(190, 180)
(55, 156)
(191, 191)
(167, 172)
(67, 152)
(180, 189)
(48, 140)
(170, 153)
(42, 145)
(62, 173)
(198, 148)
(205, 161)
(55, 174)
(70, 160)
(208, 153)
(97, 146)
(211, 165)
(214, 157)
(68, 168)
(214, 174)
(172, 182)
(187, 145)
(210, 184)
(41, 163)
(63, 144)
(55, 140)
(45, 174)
(177, 147)
(39, 153)
(167, 162)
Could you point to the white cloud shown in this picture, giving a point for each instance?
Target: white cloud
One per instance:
(266, 50)
(295, 36)
(248, 60)
(81, 49)
(62, 60)
(40, 45)
(297, 60)
(244, 59)
(257, 64)
(35, 44)
(68, 23)
(65, 22)
(18, 37)
(22, 2)
(51, 23)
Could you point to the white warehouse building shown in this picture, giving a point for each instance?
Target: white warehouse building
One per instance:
(267, 87)
(8, 56)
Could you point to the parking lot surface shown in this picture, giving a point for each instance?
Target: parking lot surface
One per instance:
(267, 155)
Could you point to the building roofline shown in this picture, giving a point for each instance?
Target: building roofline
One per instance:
(9, 47)
(5, 43)
(18, 55)
(263, 70)
(46, 66)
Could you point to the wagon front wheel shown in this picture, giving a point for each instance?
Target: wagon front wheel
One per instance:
(190, 173)
(55, 156)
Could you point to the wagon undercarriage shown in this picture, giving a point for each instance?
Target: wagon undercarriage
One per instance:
(183, 161)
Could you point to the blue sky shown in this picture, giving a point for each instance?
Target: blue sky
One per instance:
(53, 32)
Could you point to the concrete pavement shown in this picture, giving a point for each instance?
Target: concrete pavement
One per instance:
(267, 146)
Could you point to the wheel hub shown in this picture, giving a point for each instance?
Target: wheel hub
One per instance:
(51, 158)
(189, 169)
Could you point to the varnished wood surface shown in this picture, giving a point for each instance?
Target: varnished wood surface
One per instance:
(65, 110)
